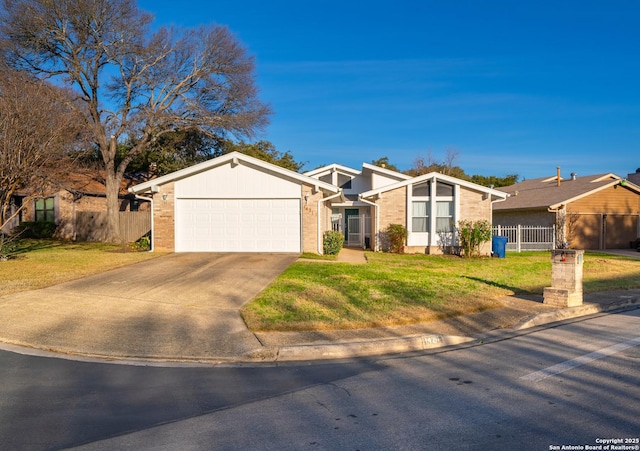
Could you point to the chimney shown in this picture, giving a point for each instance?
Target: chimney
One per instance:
(558, 177)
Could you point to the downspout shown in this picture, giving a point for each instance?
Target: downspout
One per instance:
(320, 202)
(153, 235)
(374, 233)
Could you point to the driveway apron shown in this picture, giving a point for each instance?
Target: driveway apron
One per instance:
(182, 306)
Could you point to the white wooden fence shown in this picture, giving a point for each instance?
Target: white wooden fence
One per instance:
(527, 238)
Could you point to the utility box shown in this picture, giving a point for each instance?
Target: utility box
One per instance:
(566, 278)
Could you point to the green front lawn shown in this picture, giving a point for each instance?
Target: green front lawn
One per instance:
(402, 289)
(389, 290)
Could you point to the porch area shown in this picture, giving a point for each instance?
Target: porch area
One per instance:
(355, 224)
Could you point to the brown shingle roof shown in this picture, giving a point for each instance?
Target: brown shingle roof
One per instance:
(545, 192)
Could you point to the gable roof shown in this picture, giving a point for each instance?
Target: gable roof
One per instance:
(323, 170)
(81, 182)
(545, 193)
(384, 171)
(495, 194)
(233, 158)
(366, 167)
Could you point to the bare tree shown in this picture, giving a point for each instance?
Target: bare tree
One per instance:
(135, 84)
(424, 165)
(37, 126)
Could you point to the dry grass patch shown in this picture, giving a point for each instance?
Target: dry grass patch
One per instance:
(42, 263)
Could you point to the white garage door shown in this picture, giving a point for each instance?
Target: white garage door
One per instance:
(238, 225)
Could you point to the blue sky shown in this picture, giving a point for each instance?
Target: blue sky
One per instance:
(512, 87)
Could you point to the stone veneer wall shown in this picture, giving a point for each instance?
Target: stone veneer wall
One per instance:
(164, 219)
(310, 219)
(392, 210)
(475, 207)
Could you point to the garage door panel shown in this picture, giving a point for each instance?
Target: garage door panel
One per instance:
(238, 225)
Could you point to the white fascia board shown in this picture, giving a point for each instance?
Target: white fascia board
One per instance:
(385, 171)
(331, 168)
(606, 176)
(233, 157)
(436, 175)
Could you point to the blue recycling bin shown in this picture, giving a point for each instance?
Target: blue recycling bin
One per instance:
(499, 246)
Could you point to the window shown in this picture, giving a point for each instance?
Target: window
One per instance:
(45, 210)
(444, 216)
(420, 216)
(344, 181)
(444, 190)
(422, 190)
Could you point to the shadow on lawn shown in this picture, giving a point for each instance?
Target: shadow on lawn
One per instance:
(515, 290)
(28, 245)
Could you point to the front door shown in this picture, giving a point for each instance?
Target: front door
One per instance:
(347, 213)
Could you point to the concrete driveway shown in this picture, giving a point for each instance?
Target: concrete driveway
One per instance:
(178, 307)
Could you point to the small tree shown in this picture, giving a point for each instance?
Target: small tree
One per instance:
(472, 234)
(397, 235)
(38, 125)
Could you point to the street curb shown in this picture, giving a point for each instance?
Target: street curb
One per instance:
(337, 350)
(365, 348)
(574, 312)
(379, 347)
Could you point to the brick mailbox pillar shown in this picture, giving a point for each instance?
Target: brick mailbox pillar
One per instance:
(566, 278)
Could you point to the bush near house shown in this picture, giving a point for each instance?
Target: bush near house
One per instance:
(332, 242)
(36, 229)
(472, 235)
(397, 235)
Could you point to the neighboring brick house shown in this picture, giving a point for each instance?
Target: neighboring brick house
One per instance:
(594, 212)
(76, 204)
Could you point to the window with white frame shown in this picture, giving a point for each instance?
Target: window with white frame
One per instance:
(444, 207)
(444, 216)
(420, 207)
(428, 211)
(420, 216)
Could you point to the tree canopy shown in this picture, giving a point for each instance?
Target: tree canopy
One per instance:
(447, 166)
(178, 150)
(134, 84)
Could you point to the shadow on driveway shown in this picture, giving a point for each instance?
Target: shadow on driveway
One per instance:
(179, 307)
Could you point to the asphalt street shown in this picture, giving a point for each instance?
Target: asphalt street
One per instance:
(571, 384)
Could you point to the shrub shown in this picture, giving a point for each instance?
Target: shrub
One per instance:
(143, 244)
(332, 242)
(397, 235)
(36, 229)
(8, 245)
(472, 234)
